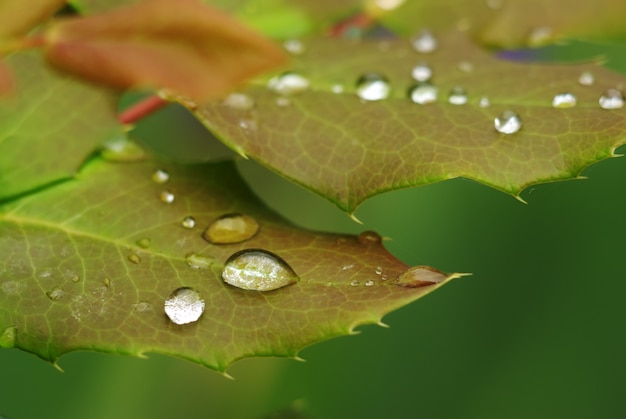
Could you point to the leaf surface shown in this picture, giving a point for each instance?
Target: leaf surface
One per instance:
(17, 19)
(347, 149)
(50, 125)
(74, 277)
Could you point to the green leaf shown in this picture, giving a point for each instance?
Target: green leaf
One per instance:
(50, 125)
(348, 150)
(89, 263)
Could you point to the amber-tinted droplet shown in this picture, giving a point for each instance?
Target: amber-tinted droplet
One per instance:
(420, 276)
(188, 222)
(134, 258)
(258, 270)
(143, 243)
(160, 176)
(166, 197)
(197, 261)
(231, 228)
(106, 282)
(369, 237)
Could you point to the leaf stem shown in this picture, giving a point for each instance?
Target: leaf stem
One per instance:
(141, 109)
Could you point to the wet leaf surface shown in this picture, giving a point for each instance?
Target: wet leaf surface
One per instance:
(88, 264)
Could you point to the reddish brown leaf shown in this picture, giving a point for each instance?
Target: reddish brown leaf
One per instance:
(17, 18)
(6, 80)
(182, 45)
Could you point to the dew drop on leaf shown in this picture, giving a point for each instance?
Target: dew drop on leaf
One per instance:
(540, 35)
(420, 276)
(612, 99)
(248, 124)
(231, 228)
(379, 270)
(197, 261)
(106, 282)
(423, 93)
(484, 102)
(184, 305)
(239, 101)
(424, 42)
(586, 78)
(55, 294)
(160, 176)
(122, 149)
(259, 270)
(457, 96)
(294, 46)
(8, 336)
(508, 122)
(564, 100)
(372, 87)
(288, 83)
(134, 258)
(422, 73)
(75, 279)
(369, 283)
(336, 89)
(354, 283)
(144, 243)
(166, 197)
(188, 222)
(369, 237)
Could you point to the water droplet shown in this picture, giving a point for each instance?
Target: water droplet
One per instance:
(122, 149)
(484, 102)
(55, 294)
(197, 261)
(372, 87)
(134, 258)
(564, 100)
(369, 237)
(142, 307)
(231, 228)
(508, 122)
(166, 197)
(282, 101)
(423, 93)
(294, 47)
(466, 66)
(188, 222)
(346, 267)
(354, 283)
(160, 176)
(336, 89)
(422, 72)
(612, 99)
(8, 336)
(106, 282)
(379, 270)
(383, 277)
(586, 78)
(256, 269)
(420, 276)
(239, 101)
(144, 243)
(184, 305)
(75, 279)
(540, 35)
(369, 283)
(457, 96)
(387, 5)
(247, 124)
(288, 83)
(424, 42)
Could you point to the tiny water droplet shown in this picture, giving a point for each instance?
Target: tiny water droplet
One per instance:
(586, 78)
(55, 294)
(166, 197)
(282, 102)
(134, 258)
(336, 89)
(508, 122)
(457, 96)
(248, 124)
(122, 149)
(144, 243)
(346, 267)
(259, 270)
(288, 83)
(184, 305)
(484, 102)
(188, 222)
(612, 99)
(197, 261)
(8, 336)
(231, 228)
(239, 101)
(422, 73)
(383, 277)
(423, 93)
(160, 176)
(354, 283)
(564, 100)
(294, 46)
(106, 282)
(379, 270)
(372, 87)
(424, 42)
(369, 283)
(142, 307)
(369, 237)
(465, 66)
(540, 35)
(420, 276)
(75, 279)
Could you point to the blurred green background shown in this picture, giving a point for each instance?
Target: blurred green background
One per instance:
(537, 331)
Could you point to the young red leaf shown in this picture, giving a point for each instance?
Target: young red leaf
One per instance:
(181, 45)
(17, 18)
(6, 80)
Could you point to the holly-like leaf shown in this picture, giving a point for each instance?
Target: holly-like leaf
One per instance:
(181, 45)
(88, 264)
(18, 18)
(41, 122)
(348, 149)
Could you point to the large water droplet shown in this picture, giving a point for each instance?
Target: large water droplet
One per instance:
(56, 294)
(294, 46)
(372, 87)
(288, 83)
(422, 73)
(8, 336)
(239, 101)
(586, 78)
(197, 261)
(166, 197)
(564, 100)
(134, 258)
(612, 99)
(231, 228)
(423, 93)
(369, 237)
(508, 122)
(184, 305)
(424, 42)
(188, 222)
(259, 270)
(457, 96)
(420, 276)
(160, 176)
